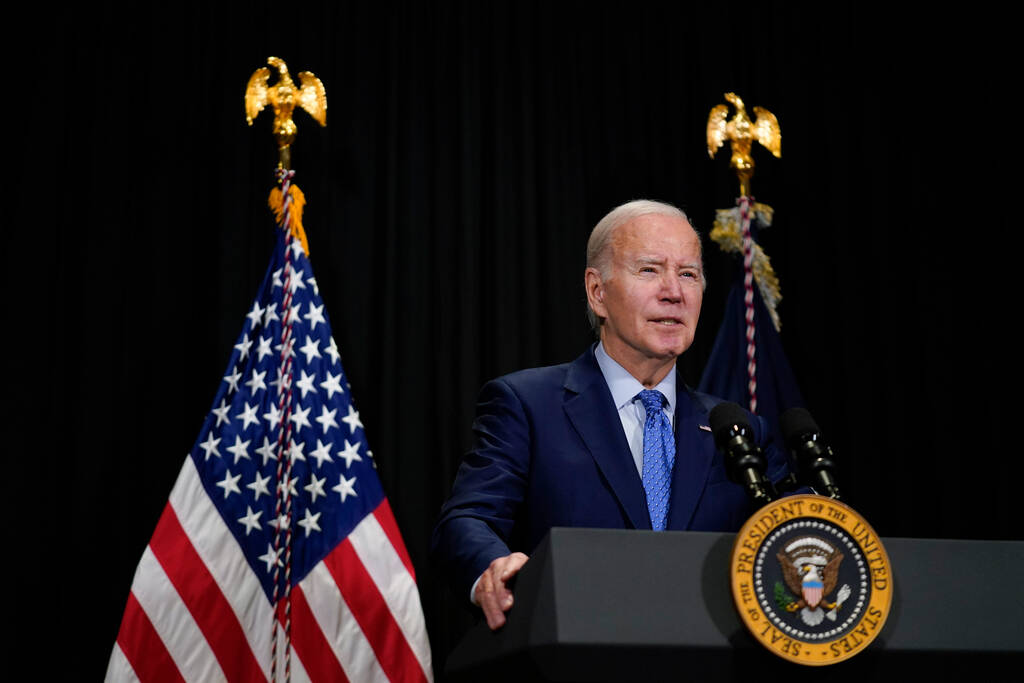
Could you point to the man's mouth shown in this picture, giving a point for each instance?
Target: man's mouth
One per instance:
(668, 321)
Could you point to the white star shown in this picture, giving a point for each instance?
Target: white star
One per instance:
(269, 314)
(282, 382)
(210, 446)
(272, 557)
(296, 280)
(332, 384)
(267, 450)
(332, 351)
(350, 453)
(264, 348)
(315, 487)
(296, 247)
(222, 412)
(326, 418)
(259, 486)
(286, 349)
(280, 521)
(309, 522)
(248, 415)
(255, 314)
(312, 283)
(229, 483)
(352, 419)
(295, 451)
(251, 519)
(345, 488)
(293, 315)
(240, 449)
(306, 383)
(311, 349)
(277, 279)
(291, 486)
(243, 346)
(300, 418)
(256, 383)
(322, 452)
(315, 315)
(232, 380)
(273, 416)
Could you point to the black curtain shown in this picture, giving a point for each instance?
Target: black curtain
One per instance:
(470, 147)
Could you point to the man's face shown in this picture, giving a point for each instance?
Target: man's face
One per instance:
(651, 299)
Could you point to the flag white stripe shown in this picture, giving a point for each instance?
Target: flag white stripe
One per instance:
(395, 584)
(219, 551)
(340, 627)
(118, 668)
(173, 622)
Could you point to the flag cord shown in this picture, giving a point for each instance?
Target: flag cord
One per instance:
(284, 460)
(748, 298)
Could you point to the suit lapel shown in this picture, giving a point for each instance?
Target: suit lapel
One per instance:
(694, 451)
(590, 409)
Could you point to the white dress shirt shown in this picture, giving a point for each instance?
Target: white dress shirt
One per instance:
(624, 388)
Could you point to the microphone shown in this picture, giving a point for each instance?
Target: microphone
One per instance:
(744, 461)
(813, 456)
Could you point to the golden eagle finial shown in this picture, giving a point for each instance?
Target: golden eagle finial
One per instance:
(741, 132)
(283, 96)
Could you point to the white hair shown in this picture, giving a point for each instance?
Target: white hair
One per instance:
(599, 246)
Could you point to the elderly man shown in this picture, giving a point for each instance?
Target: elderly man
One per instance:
(614, 439)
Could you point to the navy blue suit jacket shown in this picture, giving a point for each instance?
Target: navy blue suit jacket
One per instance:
(550, 451)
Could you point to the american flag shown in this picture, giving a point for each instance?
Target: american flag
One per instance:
(279, 490)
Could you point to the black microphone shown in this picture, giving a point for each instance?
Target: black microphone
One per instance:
(744, 461)
(813, 456)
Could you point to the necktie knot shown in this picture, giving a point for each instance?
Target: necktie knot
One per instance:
(653, 400)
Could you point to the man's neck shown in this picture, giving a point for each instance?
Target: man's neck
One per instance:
(648, 371)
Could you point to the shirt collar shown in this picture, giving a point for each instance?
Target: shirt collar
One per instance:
(624, 387)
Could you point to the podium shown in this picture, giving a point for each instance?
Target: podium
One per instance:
(618, 605)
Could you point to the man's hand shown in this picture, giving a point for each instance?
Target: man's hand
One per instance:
(491, 592)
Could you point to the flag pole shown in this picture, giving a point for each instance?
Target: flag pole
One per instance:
(732, 228)
(286, 201)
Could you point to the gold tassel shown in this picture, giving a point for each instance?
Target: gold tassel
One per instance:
(295, 215)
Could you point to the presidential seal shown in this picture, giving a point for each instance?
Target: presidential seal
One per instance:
(811, 579)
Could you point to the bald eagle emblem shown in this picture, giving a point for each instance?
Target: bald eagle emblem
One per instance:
(810, 568)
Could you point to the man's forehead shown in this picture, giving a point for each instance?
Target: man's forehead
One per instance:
(654, 235)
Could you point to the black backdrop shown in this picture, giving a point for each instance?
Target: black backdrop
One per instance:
(470, 147)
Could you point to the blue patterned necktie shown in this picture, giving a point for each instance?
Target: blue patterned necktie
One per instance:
(659, 456)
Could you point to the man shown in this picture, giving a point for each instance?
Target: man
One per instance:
(611, 440)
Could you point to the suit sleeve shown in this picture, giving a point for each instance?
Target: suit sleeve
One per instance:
(477, 522)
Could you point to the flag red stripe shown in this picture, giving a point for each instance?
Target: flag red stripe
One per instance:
(387, 522)
(201, 594)
(142, 646)
(371, 611)
(310, 645)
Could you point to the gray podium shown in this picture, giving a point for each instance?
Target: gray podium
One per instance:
(613, 605)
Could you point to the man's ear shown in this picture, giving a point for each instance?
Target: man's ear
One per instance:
(595, 291)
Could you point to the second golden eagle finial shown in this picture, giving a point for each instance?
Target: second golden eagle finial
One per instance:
(283, 96)
(741, 133)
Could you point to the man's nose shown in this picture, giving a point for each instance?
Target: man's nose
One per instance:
(671, 288)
